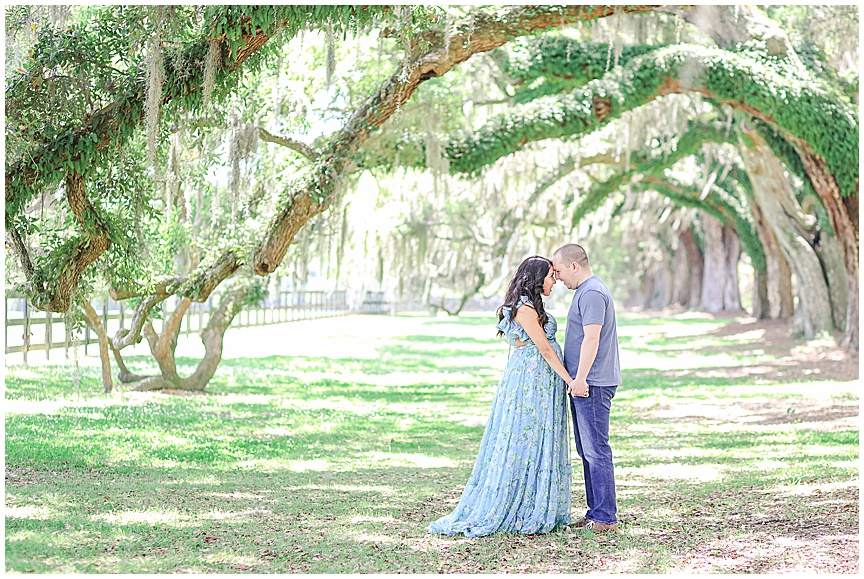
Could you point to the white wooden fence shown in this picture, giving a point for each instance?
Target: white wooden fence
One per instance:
(29, 330)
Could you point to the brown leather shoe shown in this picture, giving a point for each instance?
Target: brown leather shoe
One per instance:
(600, 527)
(580, 523)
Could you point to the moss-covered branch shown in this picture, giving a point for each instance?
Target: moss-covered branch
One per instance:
(481, 33)
(241, 32)
(552, 64)
(808, 113)
(52, 290)
(718, 201)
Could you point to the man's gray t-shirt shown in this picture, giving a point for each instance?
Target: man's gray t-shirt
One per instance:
(592, 304)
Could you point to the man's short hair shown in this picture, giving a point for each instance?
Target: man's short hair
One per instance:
(571, 253)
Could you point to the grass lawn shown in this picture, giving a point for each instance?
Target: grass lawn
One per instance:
(328, 446)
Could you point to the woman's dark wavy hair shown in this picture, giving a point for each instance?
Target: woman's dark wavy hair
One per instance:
(527, 281)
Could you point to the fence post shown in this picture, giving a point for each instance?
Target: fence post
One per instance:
(48, 328)
(26, 330)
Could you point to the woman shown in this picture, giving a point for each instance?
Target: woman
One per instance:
(521, 479)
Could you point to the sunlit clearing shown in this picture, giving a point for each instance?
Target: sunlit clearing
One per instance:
(317, 465)
(675, 471)
(658, 453)
(265, 465)
(404, 459)
(136, 517)
(28, 513)
(358, 519)
(470, 420)
(22, 406)
(221, 515)
(772, 465)
(361, 408)
(23, 373)
(396, 378)
(247, 398)
(803, 490)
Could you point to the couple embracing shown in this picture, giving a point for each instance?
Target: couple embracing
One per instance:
(521, 479)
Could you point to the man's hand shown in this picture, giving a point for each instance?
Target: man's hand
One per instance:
(578, 388)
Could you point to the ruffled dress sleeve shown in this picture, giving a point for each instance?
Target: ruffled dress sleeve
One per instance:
(511, 329)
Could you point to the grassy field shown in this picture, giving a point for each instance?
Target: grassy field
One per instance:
(329, 446)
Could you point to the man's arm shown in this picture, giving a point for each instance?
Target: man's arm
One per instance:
(587, 354)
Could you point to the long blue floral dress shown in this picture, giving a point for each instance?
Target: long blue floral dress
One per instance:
(521, 479)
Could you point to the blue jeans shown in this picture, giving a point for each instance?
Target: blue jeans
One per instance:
(591, 429)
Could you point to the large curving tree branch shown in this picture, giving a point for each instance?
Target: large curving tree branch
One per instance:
(647, 169)
(55, 295)
(115, 122)
(481, 33)
(727, 78)
(302, 148)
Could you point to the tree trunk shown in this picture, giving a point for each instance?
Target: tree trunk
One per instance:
(658, 287)
(843, 214)
(92, 319)
(772, 192)
(124, 374)
(720, 291)
(714, 275)
(681, 286)
(830, 255)
(696, 265)
(761, 305)
(731, 289)
(212, 336)
(780, 303)
(162, 346)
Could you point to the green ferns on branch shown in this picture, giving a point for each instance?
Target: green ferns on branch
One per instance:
(810, 112)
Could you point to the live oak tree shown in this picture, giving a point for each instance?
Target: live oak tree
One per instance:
(126, 69)
(115, 115)
(789, 112)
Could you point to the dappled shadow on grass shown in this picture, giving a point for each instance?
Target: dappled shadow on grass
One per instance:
(711, 377)
(51, 383)
(321, 420)
(629, 320)
(308, 464)
(764, 525)
(374, 519)
(265, 521)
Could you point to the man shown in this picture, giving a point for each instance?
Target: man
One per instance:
(591, 355)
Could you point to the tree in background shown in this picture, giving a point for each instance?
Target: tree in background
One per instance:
(131, 68)
(784, 110)
(174, 153)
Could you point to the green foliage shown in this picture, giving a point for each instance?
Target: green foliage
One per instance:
(802, 107)
(551, 64)
(727, 201)
(67, 141)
